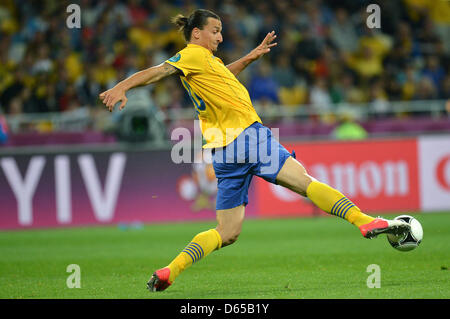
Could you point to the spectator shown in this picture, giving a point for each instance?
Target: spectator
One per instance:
(378, 97)
(47, 67)
(348, 129)
(409, 80)
(43, 63)
(426, 90)
(434, 71)
(319, 97)
(344, 90)
(445, 93)
(3, 129)
(15, 87)
(342, 32)
(366, 63)
(283, 73)
(87, 88)
(263, 87)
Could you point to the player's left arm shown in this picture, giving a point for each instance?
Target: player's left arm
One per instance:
(238, 66)
(144, 77)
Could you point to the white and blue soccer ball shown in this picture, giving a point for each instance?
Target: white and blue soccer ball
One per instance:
(409, 241)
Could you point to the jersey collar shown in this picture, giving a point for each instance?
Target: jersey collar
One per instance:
(191, 45)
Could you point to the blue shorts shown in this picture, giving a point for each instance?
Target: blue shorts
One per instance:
(254, 152)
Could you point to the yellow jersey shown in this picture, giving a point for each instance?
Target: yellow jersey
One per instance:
(222, 103)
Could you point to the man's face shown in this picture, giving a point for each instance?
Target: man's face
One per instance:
(211, 35)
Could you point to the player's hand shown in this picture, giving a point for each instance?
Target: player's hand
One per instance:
(112, 96)
(265, 45)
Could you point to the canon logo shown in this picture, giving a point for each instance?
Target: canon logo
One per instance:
(369, 179)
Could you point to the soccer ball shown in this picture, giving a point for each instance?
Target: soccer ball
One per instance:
(411, 239)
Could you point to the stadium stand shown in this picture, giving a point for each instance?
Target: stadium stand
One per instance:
(327, 61)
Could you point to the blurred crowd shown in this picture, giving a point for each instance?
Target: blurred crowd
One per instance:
(326, 54)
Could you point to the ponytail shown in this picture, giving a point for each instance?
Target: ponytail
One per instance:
(180, 21)
(198, 19)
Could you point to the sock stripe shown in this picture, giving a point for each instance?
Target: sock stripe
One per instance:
(191, 253)
(347, 210)
(187, 252)
(343, 207)
(194, 252)
(336, 210)
(339, 202)
(197, 251)
(200, 247)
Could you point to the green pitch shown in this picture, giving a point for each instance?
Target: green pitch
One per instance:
(321, 257)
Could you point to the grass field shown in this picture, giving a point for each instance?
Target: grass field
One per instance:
(321, 257)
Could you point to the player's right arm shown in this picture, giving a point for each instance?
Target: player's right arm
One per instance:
(144, 77)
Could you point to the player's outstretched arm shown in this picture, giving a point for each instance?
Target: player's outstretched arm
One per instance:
(239, 65)
(144, 77)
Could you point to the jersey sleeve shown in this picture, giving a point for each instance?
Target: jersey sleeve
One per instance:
(187, 61)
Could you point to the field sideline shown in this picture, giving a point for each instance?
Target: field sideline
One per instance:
(322, 257)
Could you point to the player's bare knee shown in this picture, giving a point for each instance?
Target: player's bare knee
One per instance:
(228, 235)
(306, 179)
(299, 183)
(230, 239)
(229, 225)
(295, 177)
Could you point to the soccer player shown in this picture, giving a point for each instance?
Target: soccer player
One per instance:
(240, 142)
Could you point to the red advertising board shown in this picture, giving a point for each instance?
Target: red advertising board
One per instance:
(377, 175)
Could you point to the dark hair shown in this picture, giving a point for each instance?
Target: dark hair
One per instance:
(197, 19)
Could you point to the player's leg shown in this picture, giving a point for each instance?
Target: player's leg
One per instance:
(229, 225)
(278, 166)
(294, 176)
(233, 182)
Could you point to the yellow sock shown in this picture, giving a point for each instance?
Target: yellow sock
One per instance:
(334, 202)
(200, 246)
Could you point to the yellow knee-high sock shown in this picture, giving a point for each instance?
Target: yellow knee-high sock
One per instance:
(200, 246)
(334, 202)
